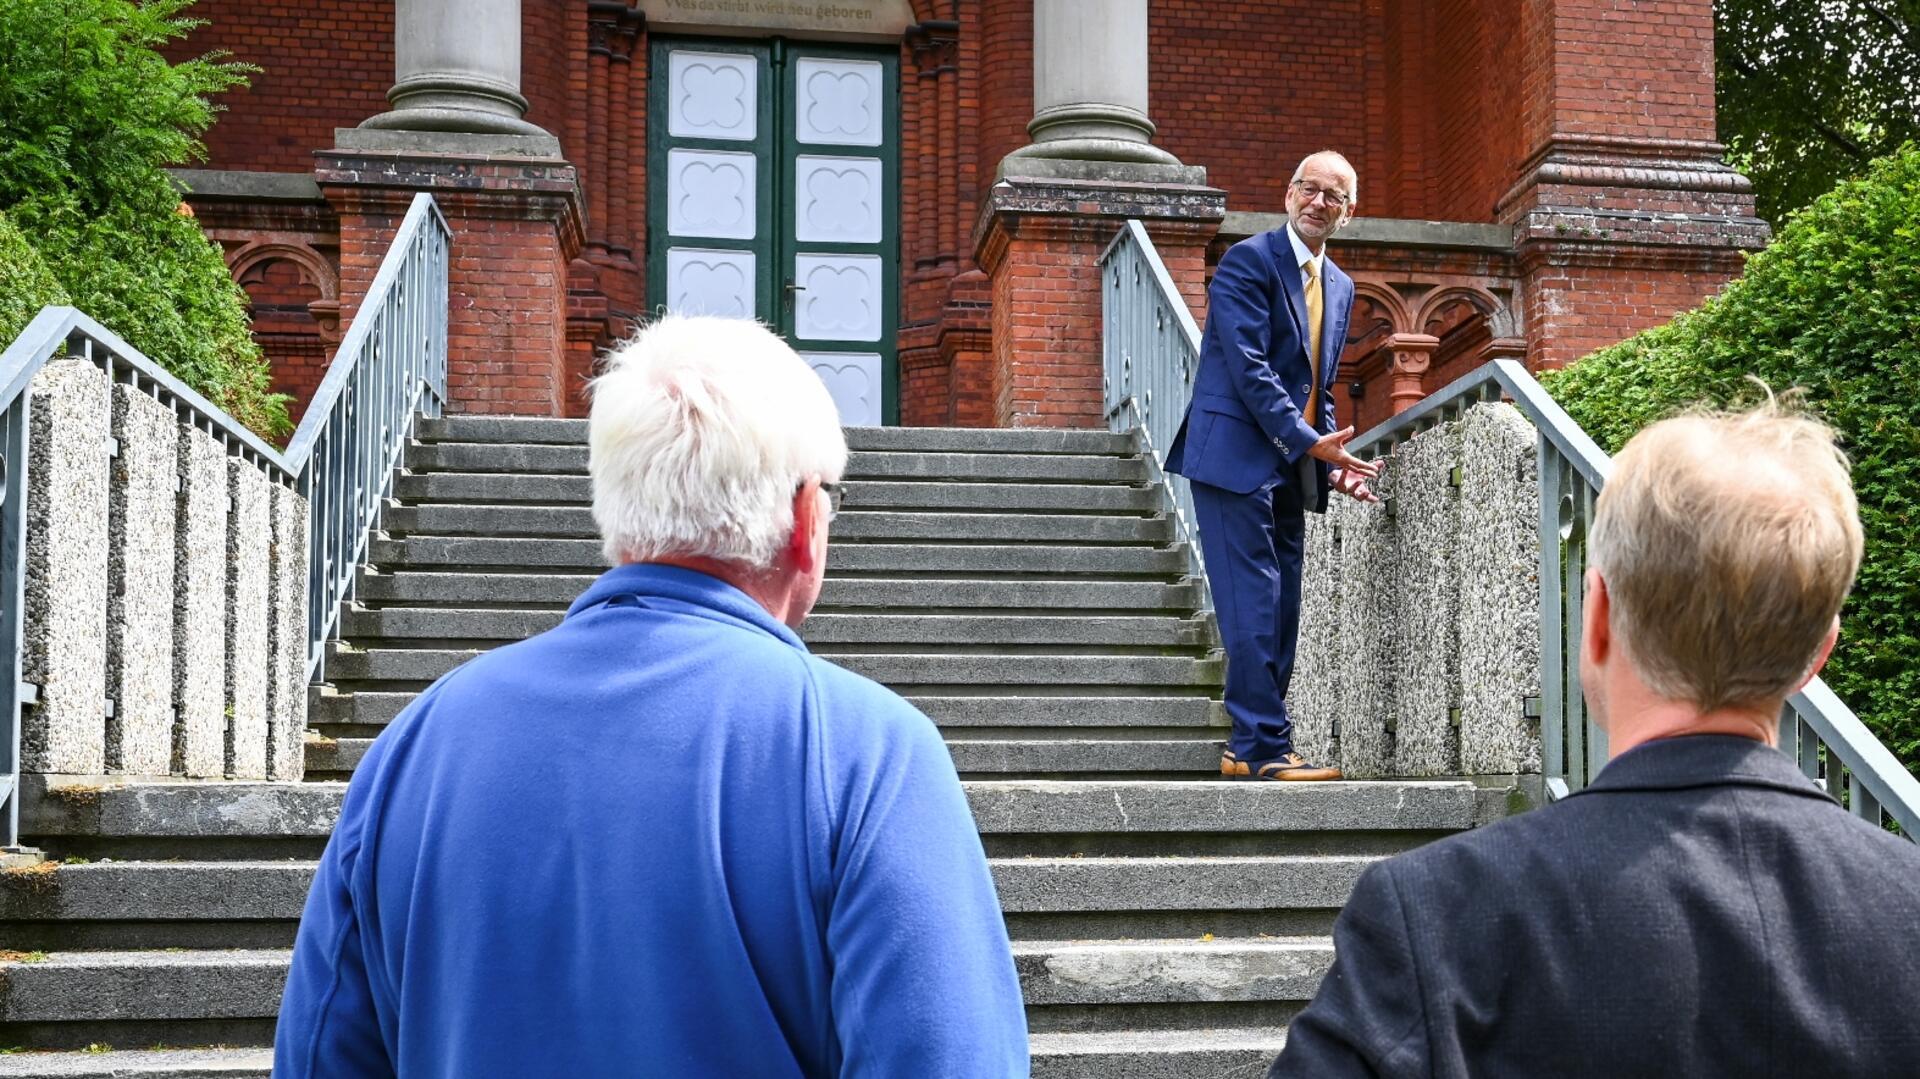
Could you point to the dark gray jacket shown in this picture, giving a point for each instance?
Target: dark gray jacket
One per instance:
(1701, 909)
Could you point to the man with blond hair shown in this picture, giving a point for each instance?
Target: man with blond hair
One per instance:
(663, 839)
(1701, 908)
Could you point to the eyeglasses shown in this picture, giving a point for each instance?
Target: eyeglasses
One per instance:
(833, 493)
(1310, 191)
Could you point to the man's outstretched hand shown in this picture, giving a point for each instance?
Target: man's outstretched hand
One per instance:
(1352, 485)
(1333, 450)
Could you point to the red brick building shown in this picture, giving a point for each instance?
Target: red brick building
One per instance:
(1537, 178)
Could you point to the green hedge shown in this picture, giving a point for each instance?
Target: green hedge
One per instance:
(90, 112)
(26, 285)
(1833, 307)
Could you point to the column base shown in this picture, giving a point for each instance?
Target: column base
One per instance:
(516, 218)
(1035, 163)
(1039, 243)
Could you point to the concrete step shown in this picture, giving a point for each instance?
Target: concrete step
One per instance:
(878, 525)
(1156, 1054)
(577, 491)
(916, 595)
(422, 552)
(1095, 972)
(1127, 1054)
(248, 1063)
(215, 891)
(1000, 807)
(143, 986)
(980, 757)
(148, 986)
(328, 706)
(561, 460)
(897, 670)
(1043, 885)
(922, 439)
(260, 890)
(475, 624)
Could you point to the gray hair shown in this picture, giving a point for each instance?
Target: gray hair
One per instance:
(1353, 196)
(701, 431)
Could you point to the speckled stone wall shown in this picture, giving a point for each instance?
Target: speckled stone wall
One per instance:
(141, 500)
(1499, 591)
(1420, 617)
(1313, 699)
(65, 649)
(200, 608)
(287, 650)
(249, 540)
(1367, 583)
(1426, 640)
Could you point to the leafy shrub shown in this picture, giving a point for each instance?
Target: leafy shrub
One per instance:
(26, 285)
(1832, 306)
(90, 111)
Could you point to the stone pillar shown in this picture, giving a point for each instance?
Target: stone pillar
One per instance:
(64, 647)
(456, 68)
(1060, 201)
(249, 564)
(287, 637)
(142, 508)
(1607, 202)
(512, 202)
(200, 609)
(1412, 355)
(1090, 84)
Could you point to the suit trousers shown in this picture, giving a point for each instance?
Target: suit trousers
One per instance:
(1253, 544)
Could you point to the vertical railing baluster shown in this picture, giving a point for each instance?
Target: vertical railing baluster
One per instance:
(1809, 748)
(1553, 669)
(1572, 567)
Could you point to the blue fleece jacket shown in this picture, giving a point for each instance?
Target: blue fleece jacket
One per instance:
(662, 839)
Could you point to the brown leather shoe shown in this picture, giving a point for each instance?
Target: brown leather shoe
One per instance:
(1286, 768)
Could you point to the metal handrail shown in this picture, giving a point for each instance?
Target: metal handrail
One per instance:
(391, 366)
(1150, 352)
(1817, 729)
(392, 363)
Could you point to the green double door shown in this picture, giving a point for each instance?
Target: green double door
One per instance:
(773, 193)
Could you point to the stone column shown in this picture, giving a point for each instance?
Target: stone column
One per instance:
(456, 68)
(511, 200)
(1060, 201)
(1090, 84)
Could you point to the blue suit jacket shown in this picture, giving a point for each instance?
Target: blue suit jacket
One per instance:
(1245, 423)
(1701, 909)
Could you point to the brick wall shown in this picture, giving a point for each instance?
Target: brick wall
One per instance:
(1612, 303)
(324, 65)
(1247, 89)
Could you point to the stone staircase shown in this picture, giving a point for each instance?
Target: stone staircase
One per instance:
(1021, 587)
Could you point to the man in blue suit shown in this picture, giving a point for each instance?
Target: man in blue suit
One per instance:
(1259, 446)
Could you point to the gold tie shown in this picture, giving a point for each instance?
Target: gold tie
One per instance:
(1314, 310)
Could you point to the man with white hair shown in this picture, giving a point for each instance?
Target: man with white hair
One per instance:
(1259, 447)
(663, 839)
(1701, 908)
